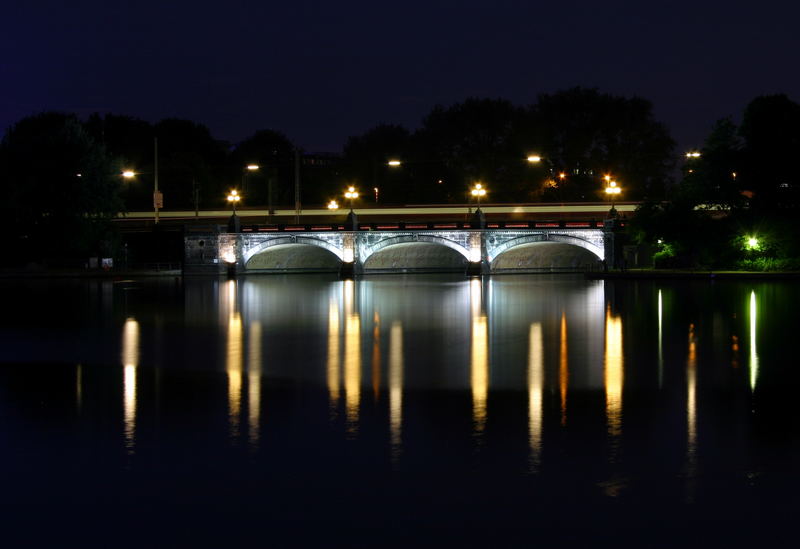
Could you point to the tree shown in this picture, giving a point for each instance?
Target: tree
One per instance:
(711, 179)
(273, 153)
(130, 140)
(587, 134)
(478, 140)
(771, 132)
(60, 188)
(366, 157)
(189, 160)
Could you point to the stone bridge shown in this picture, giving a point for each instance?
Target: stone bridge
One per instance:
(479, 251)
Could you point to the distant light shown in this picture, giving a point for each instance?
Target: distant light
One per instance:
(127, 174)
(478, 190)
(693, 154)
(534, 158)
(333, 205)
(394, 163)
(752, 243)
(253, 167)
(562, 175)
(229, 257)
(78, 175)
(234, 196)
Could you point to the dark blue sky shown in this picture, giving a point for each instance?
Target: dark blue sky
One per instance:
(321, 71)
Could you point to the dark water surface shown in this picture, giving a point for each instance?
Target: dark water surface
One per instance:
(398, 411)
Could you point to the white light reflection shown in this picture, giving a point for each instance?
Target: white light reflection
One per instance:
(352, 359)
(254, 383)
(79, 387)
(130, 361)
(535, 386)
(691, 410)
(614, 377)
(563, 368)
(376, 355)
(479, 358)
(334, 365)
(753, 353)
(396, 388)
(660, 341)
(234, 362)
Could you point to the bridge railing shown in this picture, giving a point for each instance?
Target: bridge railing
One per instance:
(427, 225)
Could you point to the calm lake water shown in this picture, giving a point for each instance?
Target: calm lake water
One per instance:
(288, 411)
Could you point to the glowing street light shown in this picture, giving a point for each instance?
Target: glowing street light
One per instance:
(253, 167)
(351, 195)
(693, 154)
(333, 205)
(128, 174)
(233, 198)
(478, 192)
(394, 163)
(534, 159)
(612, 190)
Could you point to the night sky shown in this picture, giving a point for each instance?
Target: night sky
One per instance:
(322, 71)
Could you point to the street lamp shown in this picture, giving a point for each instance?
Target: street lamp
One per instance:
(478, 192)
(333, 205)
(612, 190)
(693, 154)
(351, 195)
(233, 198)
(394, 163)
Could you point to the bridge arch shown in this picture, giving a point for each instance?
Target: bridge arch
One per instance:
(289, 240)
(545, 237)
(412, 238)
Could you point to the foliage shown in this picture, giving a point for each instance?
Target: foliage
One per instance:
(60, 187)
(366, 157)
(273, 153)
(771, 132)
(578, 132)
(588, 134)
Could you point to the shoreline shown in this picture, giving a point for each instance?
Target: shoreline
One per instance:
(650, 274)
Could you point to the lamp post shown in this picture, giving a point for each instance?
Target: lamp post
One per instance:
(351, 194)
(352, 220)
(478, 191)
(234, 224)
(612, 190)
(333, 205)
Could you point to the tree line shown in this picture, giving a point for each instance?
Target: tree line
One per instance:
(61, 176)
(736, 203)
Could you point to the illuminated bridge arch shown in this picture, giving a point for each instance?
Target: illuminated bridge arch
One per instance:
(289, 240)
(368, 251)
(495, 251)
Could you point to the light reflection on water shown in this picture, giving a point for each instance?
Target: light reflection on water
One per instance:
(130, 361)
(614, 376)
(530, 357)
(535, 388)
(494, 328)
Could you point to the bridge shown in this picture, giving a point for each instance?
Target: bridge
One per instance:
(564, 246)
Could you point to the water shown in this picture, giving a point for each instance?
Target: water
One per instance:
(397, 411)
